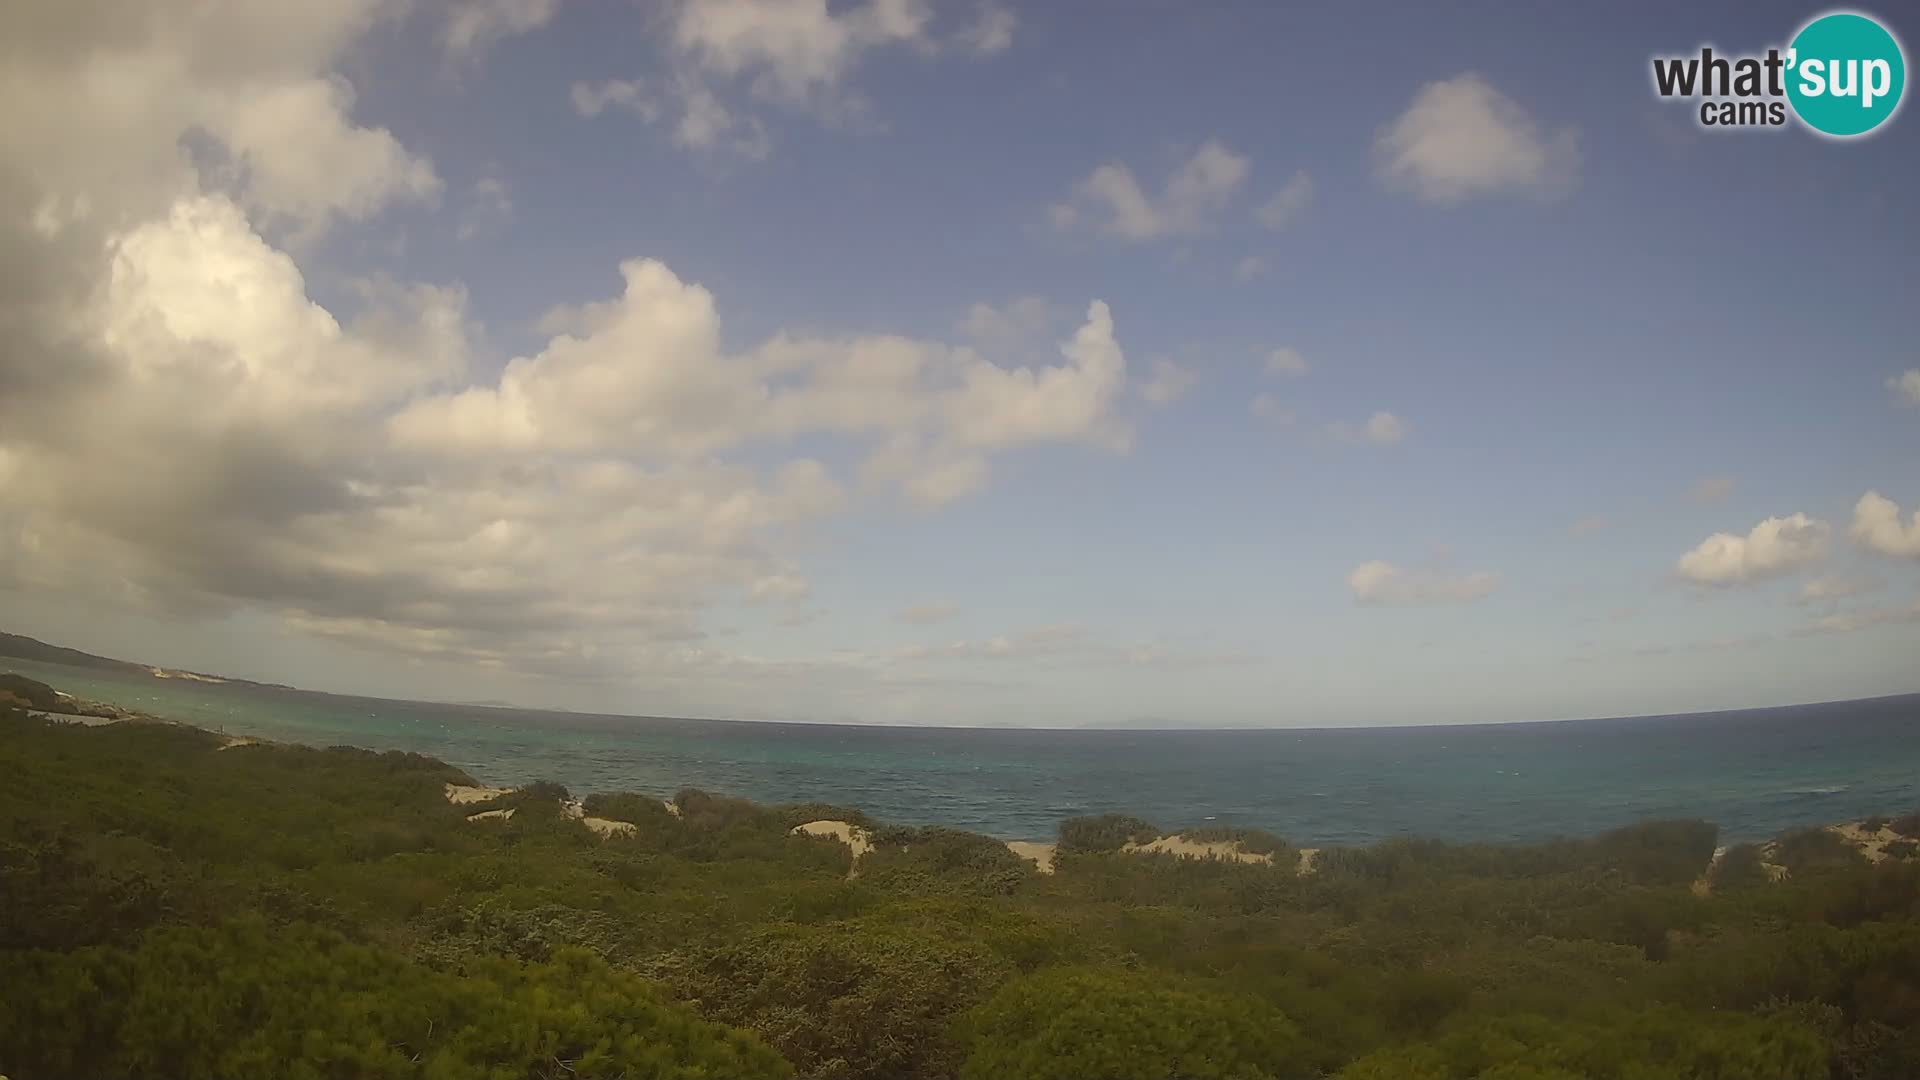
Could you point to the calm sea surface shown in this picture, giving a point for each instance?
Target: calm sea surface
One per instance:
(1753, 772)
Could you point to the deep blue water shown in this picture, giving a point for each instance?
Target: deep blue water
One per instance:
(1753, 772)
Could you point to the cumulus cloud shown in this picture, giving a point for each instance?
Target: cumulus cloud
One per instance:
(489, 206)
(1167, 383)
(1380, 429)
(1906, 386)
(1249, 267)
(1461, 138)
(1827, 589)
(728, 59)
(1013, 326)
(470, 27)
(1773, 548)
(1266, 407)
(1285, 361)
(185, 429)
(991, 31)
(1287, 204)
(630, 95)
(1877, 527)
(1110, 199)
(1379, 582)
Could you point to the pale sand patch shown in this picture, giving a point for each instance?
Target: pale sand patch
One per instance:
(1229, 850)
(672, 807)
(1773, 870)
(460, 794)
(237, 741)
(846, 832)
(1308, 856)
(1871, 844)
(1703, 885)
(573, 810)
(1041, 853)
(609, 827)
(491, 815)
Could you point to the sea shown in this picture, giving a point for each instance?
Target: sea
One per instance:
(1753, 772)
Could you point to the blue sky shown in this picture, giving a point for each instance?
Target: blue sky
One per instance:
(1547, 338)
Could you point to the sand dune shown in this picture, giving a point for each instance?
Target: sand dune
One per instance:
(610, 827)
(1871, 844)
(461, 794)
(855, 837)
(1041, 853)
(1229, 850)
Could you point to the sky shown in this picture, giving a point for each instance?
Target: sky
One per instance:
(954, 362)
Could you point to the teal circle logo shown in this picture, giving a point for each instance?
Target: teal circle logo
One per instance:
(1845, 74)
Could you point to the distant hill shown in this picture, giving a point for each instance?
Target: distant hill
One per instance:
(25, 648)
(21, 647)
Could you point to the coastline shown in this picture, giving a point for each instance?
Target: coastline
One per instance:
(1875, 839)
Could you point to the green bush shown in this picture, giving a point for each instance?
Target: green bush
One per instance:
(1742, 867)
(29, 691)
(1807, 851)
(1907, 825)
(247, 999)
(366, 906)
(1087, 1023)
(858, 1002)
(1104, 833)
(1257, 841)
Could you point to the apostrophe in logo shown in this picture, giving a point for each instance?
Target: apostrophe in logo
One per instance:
(1845, 74)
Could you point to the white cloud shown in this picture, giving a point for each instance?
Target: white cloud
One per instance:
(707, 124)
(645, 373)
(632, 95)
(489, 205)
(793, 50)
(1112, 201)
(1248, 268)
(1877, 527)
(1380, 429)
(723, 56)
(992, 31)
(780, 585)
(470, 27)
(1773, 548)
(1592, 523)
(1906, 386)
(1461, 138)
(1269, 408)
(1833, 587)
(1711, 490)
(304, 161)
(1286, 361)
(1380, 582)
(1168, 382)
(1011, 326)
(351, 470)
(927, 613)
(1288, 203)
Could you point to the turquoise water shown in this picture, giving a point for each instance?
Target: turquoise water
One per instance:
(1753, 772)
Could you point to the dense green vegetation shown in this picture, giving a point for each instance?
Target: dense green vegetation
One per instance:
(170, 908)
